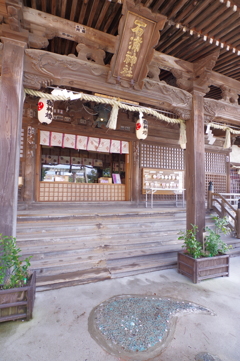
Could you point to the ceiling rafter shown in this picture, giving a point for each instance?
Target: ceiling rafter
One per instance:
(197, 11)
(63, 8)
(214, 25)
(177, 8)
(208, 13)
(194, 29)
(102, 14)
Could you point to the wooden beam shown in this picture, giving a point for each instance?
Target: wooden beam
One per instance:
(219, 79)
(44, 68)
(11, 105)
(67, 29)
(3, 10)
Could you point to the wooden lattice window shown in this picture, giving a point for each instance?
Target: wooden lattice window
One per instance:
(215, 168)
(80, 192)
(235, 180)
(215, 163)
(155, 156)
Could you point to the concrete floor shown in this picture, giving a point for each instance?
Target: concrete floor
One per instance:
(59, 328)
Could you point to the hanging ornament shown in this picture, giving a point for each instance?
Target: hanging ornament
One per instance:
(210, 137)
(227, 143)
(112, 122)
(141, 127)
(183, 136)
(45, 110)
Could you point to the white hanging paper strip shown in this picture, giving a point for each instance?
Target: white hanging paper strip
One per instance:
(227, 143)
(183, 136)
(44, 137)
(69, 141)
(211, 138)
(93, 144)
(125, 147)
(56, 139)
(112, 122)
(115, 146)
(104, 145)
(81, 142)
(208, 128)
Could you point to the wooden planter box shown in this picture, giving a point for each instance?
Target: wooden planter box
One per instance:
(17, 303)
(203, 268)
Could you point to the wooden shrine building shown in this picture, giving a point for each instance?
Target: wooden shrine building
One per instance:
(106, 68)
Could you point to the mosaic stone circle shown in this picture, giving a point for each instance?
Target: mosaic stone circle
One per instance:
(133, 323)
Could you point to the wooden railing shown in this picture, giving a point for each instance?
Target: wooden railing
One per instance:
(226, 205)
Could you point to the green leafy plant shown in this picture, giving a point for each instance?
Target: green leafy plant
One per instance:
(213, 243)
(212, 246)
(13, 271)
(192, 246)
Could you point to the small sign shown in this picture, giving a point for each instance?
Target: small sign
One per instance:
(116, 178)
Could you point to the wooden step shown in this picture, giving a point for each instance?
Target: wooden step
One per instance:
(75, 249)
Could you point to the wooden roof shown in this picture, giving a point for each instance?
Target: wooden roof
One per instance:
(194, 29)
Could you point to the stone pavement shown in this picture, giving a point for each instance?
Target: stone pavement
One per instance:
(59, 330)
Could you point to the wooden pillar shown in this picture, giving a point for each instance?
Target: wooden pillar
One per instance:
(11, 104)
(195, 166)
(136, 181)
(29, 174)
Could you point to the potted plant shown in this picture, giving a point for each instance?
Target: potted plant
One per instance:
(17, 284)
(208, 260)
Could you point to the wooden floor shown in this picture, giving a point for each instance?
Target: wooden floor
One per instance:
(81, 243)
